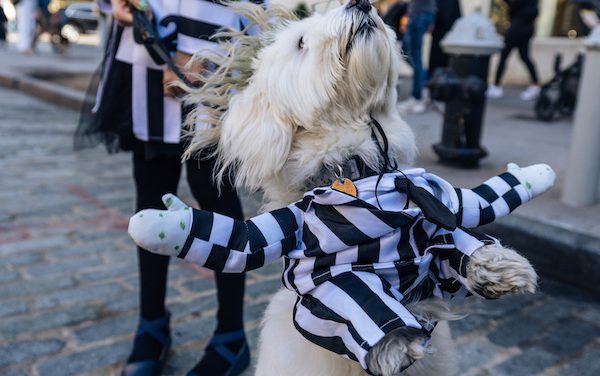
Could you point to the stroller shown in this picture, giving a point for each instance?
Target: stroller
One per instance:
(559, 95)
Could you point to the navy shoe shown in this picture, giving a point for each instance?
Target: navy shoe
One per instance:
(237, 362)
(151, 367)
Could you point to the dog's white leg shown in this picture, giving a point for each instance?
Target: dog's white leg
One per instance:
(494, 271)
(284, 352)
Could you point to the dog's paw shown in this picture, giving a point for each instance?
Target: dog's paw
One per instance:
(397, 351)
(494, 271)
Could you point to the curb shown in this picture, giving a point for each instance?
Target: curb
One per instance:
(48, 91)
(574, 257)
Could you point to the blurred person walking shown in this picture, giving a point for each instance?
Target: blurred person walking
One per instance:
(26, 12)
(421, 15)
(137, 110)
(448, 11)
(522, 14)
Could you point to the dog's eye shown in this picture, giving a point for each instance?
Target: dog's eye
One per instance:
(301, 43)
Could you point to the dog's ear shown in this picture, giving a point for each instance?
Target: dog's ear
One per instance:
(253, 139)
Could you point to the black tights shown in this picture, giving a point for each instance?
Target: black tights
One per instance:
(154, 178)
(523, 48)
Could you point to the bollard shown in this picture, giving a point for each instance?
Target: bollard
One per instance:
(583, 173)
(462, 87)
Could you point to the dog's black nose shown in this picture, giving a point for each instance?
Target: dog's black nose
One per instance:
(363, 5)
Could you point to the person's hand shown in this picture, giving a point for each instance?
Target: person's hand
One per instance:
(162, 231)
(169, 77)
(121, 11)
(537, 179)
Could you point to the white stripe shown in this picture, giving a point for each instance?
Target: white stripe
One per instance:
(236, 262)
(388, 245)
(328, 241)
(498, 185)
(190, 45)
(269, 227)
(171, 120)
(365, 221)
(199, 252)
(500, 208)
(209, 12)
(272, 252)
(471, 209)
(327, 328)
(221, 229)
(523, 194)
(343, 304)
(139, 101)
(375, 285)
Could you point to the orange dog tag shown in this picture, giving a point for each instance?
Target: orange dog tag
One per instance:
(345, 186)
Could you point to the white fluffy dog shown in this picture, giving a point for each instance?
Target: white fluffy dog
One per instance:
(288, 121)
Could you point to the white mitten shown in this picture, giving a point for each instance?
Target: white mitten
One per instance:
(162, 231)
(537, 178)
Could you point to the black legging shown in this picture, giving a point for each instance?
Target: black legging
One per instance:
(523, 46)
(153, 179)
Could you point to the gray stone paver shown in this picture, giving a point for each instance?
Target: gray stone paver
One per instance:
(68, 298)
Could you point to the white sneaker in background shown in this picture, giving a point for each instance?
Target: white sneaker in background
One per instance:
(494, 91)
(530, 93)
(412, 106)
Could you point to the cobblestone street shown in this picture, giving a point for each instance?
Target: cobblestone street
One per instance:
(68, 273)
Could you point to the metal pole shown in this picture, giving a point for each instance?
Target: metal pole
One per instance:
(583, 173)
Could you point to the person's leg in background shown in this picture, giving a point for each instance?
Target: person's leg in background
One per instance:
(153, 178)
(413, 45)
(532, 90)
(26, 10)
(495, 90)
(230, 287)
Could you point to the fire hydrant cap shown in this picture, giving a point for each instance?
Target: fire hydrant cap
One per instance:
(472, 34)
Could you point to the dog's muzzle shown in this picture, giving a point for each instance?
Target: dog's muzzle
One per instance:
(361, 5)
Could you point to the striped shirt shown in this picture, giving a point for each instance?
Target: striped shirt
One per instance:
(184, 25)
(328, 233)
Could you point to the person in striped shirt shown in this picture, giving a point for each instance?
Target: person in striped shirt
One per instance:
(353, 261)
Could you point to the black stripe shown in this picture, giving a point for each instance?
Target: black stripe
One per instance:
(255, 236)
(288, 244)
(457, 260)
(286, 220)
(339, 225)
(405, 250)
(201, 227)
(459, 213)
(486, 216)
(368, 252)
(304, 204)
(320, 310)
(217, 258)
(366, 299)
(513, 200)
(193, 28)
(334, 344)
(321, 271)
(255, 260)
(450, 285)
(311, 242)
(155, 104)
(239, 236)
(291, 276)
(510, 179)
(390, 218)
(420, 236)
(486, 192)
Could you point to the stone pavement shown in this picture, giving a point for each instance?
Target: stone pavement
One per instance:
(68, 285)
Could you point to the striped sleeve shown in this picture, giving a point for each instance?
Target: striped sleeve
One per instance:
(493, 199)
(227, 245)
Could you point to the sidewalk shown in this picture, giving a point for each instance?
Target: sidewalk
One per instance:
(68, 273)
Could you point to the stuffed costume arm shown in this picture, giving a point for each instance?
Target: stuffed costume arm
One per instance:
(502, 194)
(213, 240)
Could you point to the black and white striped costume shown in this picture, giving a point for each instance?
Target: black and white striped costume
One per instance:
(353, 260)
(130, 91)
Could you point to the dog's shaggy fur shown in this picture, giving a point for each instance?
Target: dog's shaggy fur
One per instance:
(294, 101)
